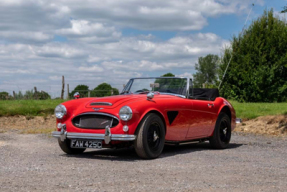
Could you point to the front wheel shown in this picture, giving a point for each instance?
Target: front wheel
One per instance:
(66, 147)
(150, 137)
(222, 132)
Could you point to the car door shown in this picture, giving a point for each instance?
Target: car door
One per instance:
(203, 116)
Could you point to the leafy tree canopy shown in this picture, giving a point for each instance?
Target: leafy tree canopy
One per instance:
(258, 69)
(168, 75)
(206, 71)
(284, 9)
(82, 89)
(103, 90)
(4, 95)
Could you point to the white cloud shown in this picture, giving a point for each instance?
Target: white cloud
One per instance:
(94, 68)
(93, 45)
(59, 50)
(90, 32)
(28, 37)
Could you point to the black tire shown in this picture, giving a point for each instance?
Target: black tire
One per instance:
(65, 146)
(150, 137)
(222, 132)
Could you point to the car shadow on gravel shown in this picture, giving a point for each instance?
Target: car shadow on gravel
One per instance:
(129, 154)
(171, 150)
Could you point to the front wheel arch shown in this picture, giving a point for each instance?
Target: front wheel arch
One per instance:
(150, 137)
(143, 117)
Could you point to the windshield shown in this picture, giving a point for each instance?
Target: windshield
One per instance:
(162, 85)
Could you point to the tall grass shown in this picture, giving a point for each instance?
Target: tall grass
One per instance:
(253, 110)
(28, 107)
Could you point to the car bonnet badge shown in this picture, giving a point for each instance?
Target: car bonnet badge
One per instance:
(97, 109)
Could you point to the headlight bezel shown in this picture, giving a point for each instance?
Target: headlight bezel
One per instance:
(60, 111)
(125, 113)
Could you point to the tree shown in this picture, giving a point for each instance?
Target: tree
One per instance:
(115, 91)
(168, 75)
(284, 9)
(206, 71)
(82, 89)
(258, 69)
(103, 90)
(4, 95)
(42, 95)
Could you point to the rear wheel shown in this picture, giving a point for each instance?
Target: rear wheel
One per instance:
(150, 138)
(222, 132)
(66, 147)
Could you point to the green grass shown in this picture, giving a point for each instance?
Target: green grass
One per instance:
(46, 107)
(28, 107)
(253, 110)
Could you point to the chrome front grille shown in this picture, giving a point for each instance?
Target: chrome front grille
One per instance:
(95, 121)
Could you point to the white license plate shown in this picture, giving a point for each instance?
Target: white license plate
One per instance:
(76, 143)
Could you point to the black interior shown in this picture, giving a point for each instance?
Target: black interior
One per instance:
(203, 94)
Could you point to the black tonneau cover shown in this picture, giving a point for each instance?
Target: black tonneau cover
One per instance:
(204, 94)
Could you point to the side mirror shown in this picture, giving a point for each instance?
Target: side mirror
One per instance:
(77, 95)
(150, 95)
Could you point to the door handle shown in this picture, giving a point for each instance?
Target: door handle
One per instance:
(210, 105)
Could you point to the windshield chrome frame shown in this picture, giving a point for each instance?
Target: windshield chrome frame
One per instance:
(130, 82)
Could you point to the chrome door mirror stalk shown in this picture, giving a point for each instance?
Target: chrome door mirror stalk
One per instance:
(77, 95)
(150, 95)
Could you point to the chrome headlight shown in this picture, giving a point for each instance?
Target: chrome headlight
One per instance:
(60, 111)
(126, 113)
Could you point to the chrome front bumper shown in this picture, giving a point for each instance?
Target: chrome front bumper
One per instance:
(107, 137)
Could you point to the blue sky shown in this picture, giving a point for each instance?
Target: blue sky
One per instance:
(90, 42)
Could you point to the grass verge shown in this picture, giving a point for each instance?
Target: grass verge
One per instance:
(28, 107)
(253, 110)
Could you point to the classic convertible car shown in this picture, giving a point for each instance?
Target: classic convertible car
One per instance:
(149, 113)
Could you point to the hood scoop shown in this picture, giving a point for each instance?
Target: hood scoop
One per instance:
(101, 103)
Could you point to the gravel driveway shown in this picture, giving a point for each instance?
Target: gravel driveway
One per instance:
(36, 163)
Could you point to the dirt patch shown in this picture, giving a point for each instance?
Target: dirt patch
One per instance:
(266, 125)
(28, 124)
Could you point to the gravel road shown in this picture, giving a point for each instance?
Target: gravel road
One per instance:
(36, 163)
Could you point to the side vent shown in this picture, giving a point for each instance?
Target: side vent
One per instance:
(171, 116)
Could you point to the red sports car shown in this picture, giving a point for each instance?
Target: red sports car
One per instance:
(149, 113)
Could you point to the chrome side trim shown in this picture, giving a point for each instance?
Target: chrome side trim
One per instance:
(238, 120)
(114, 137)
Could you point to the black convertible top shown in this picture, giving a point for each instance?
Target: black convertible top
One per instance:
(204, 94)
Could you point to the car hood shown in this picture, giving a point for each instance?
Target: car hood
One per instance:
(112, 101)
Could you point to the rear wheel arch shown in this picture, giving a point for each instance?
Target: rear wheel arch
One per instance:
(226, 110)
